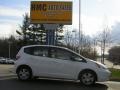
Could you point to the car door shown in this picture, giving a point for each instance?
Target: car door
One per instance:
(46, 63)
(41, 64)
(62, 65)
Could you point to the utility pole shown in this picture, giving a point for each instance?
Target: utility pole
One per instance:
(9, 43)
(74, 40)
(79, 23)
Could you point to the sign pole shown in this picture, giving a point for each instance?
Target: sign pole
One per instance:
(50, 33)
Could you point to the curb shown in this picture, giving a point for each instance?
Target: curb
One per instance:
(115, 79)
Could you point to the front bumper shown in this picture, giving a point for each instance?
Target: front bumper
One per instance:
(103, 75)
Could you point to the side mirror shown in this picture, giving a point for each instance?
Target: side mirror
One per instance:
(76, 59)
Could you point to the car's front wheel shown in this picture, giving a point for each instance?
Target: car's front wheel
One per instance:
(24, 73)
(87, 77)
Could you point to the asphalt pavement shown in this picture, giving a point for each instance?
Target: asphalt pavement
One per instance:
(41, 84)
(14, 84)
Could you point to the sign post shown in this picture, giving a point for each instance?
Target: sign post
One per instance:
(51, 14)
(50, 28)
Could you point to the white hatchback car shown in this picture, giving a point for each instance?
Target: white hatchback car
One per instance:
(55, 62)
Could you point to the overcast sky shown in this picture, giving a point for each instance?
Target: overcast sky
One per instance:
(94, 14)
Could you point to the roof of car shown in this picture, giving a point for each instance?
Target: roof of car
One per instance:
(49, 46)
(44, 46)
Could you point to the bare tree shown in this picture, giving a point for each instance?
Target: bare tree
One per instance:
(85, 46)
(68, 37)
(104, 39)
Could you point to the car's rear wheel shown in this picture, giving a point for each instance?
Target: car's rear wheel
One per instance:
(24, 73)
(87, 77)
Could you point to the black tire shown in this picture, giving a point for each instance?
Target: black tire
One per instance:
(87, 77)
(24, 73)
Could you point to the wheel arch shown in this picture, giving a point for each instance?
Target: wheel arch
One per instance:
(24, 65)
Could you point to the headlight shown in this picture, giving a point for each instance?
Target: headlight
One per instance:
(100, 66)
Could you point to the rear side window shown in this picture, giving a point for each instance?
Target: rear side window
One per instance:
(37, 51)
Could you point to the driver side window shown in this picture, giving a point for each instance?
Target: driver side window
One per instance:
(60, 54)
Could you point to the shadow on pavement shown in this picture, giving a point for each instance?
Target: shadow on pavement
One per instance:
(40, 84)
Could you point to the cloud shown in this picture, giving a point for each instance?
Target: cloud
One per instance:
(115, 33)
(10, 21)
(90, 25)
(7, 29)
(8, 11)
(10, 18)
(76, 21)
(100, 0)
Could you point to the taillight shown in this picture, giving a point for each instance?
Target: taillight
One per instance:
(17, 57)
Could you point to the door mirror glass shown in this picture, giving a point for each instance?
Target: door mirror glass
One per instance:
(78, 59)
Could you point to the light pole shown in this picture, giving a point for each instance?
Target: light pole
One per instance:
(79, 22)
(74, 40)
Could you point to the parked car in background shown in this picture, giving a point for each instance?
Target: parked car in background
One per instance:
(57, 62)
(6, 61)
(10, 61)
(3, 61)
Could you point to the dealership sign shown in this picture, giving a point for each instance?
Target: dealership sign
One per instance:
(51, 12)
